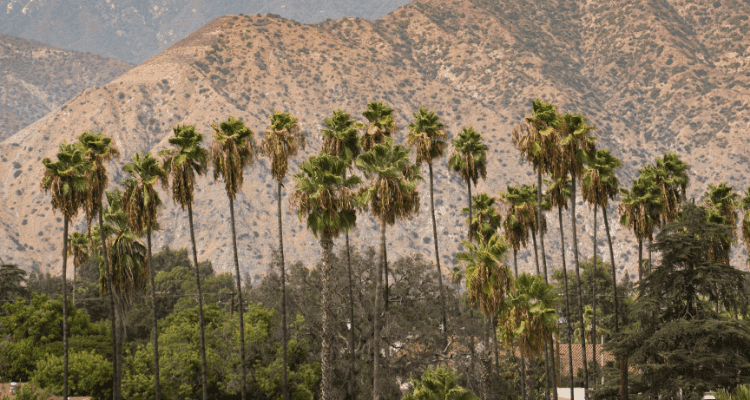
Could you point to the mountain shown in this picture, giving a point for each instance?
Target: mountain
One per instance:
(135, 30)
(652, 76)
(36, 78)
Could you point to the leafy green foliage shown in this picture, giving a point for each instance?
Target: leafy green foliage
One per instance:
(438, 383)
(90, 374)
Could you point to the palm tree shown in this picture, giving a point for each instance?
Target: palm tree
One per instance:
(428, 137)
(391, 195)
(283, 138)
(575, 141)
(231, 151)
(100, 149)
(141, 203)
(558, 192)
(641, 209)
(380, 124)
(469, 159)
(438, 383)
(670, 173)
(341, 138)
(324, 196)
(486, 219)
(379, 128)
(66, 181)
(599, 185)
(79, 249)
(181, 166)
(127, 261)
(721, 202)
(518, 219)
(529, 314)
(488, 279)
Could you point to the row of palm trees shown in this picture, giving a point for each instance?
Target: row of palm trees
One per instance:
(329, 196)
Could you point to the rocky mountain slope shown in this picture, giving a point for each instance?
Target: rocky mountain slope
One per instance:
(652, 76)
(134, 30)
(36, 78)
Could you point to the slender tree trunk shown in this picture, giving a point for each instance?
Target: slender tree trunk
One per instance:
(640, 261)
(239, 297)
(376, 318)
(468, 185)
(157, 385)
(202, 325)
(65, 307)
(120, 341)
(437, 261)
(536, 256)
(74, 283)
(649, 256)
(494, 340)
(593, 305)
(326, 384)
(116, 374)
(624, 379)
(350, 381)
(549, 356)
(523, 378)
(567, 304)
(284, 328)
(385, 289)
(580, 286)
(614, 270)
(515, 262)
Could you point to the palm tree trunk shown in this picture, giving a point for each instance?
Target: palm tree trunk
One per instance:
(350, 381)
(621, 362)
(204, 381)
(326, 384)
(437, 262)
(536, 256)
(376, 318)
(120, 340)
(239, 297)
(74, 283)
(567, 303)
(157, 385)
(468, 185)
(515, 262)
(65, 307)
(549, 355)
(284, 333)
(580, 286)
(116, 374)
(640, 260)
(593, 305)
(385, 276)
(523, 377)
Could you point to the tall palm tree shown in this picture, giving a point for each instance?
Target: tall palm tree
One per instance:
(721, 201)
(141, 203)
(486, 219)
(558, 192)
(671, 174)
(283, 138)
(428, 137)
(380, 126)
(518, 219)
(469, 158)
(599, 185)
(65, 179)
(79, 249)
(341, 138)
(529, 315)
(391, 195)
(181, 165)
(127, 261)
(325, 197)
(641, 209)
(575, 141)
(231, 151)
(488, 279)
(100, 149)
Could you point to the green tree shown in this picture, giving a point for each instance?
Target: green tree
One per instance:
(283, 138)
(640, 210)
(680, 342)
(79, 249)
(745, 226)
(66, 181)
(438, 383)
(575, 142)
(341, 138)
(721, 202)
(232, 150)
(100, 149)
(90, 374)
(427, 136)
(391, 195)
(469, 158)
(141, 203)
(325, 197)
(380, 124)
(181, 165)
(519, 215)
(12, 283)
(486, 219)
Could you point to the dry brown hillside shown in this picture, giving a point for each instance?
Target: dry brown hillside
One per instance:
(653, 76)
(36, 79)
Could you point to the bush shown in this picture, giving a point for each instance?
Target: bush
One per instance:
(89, 374)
